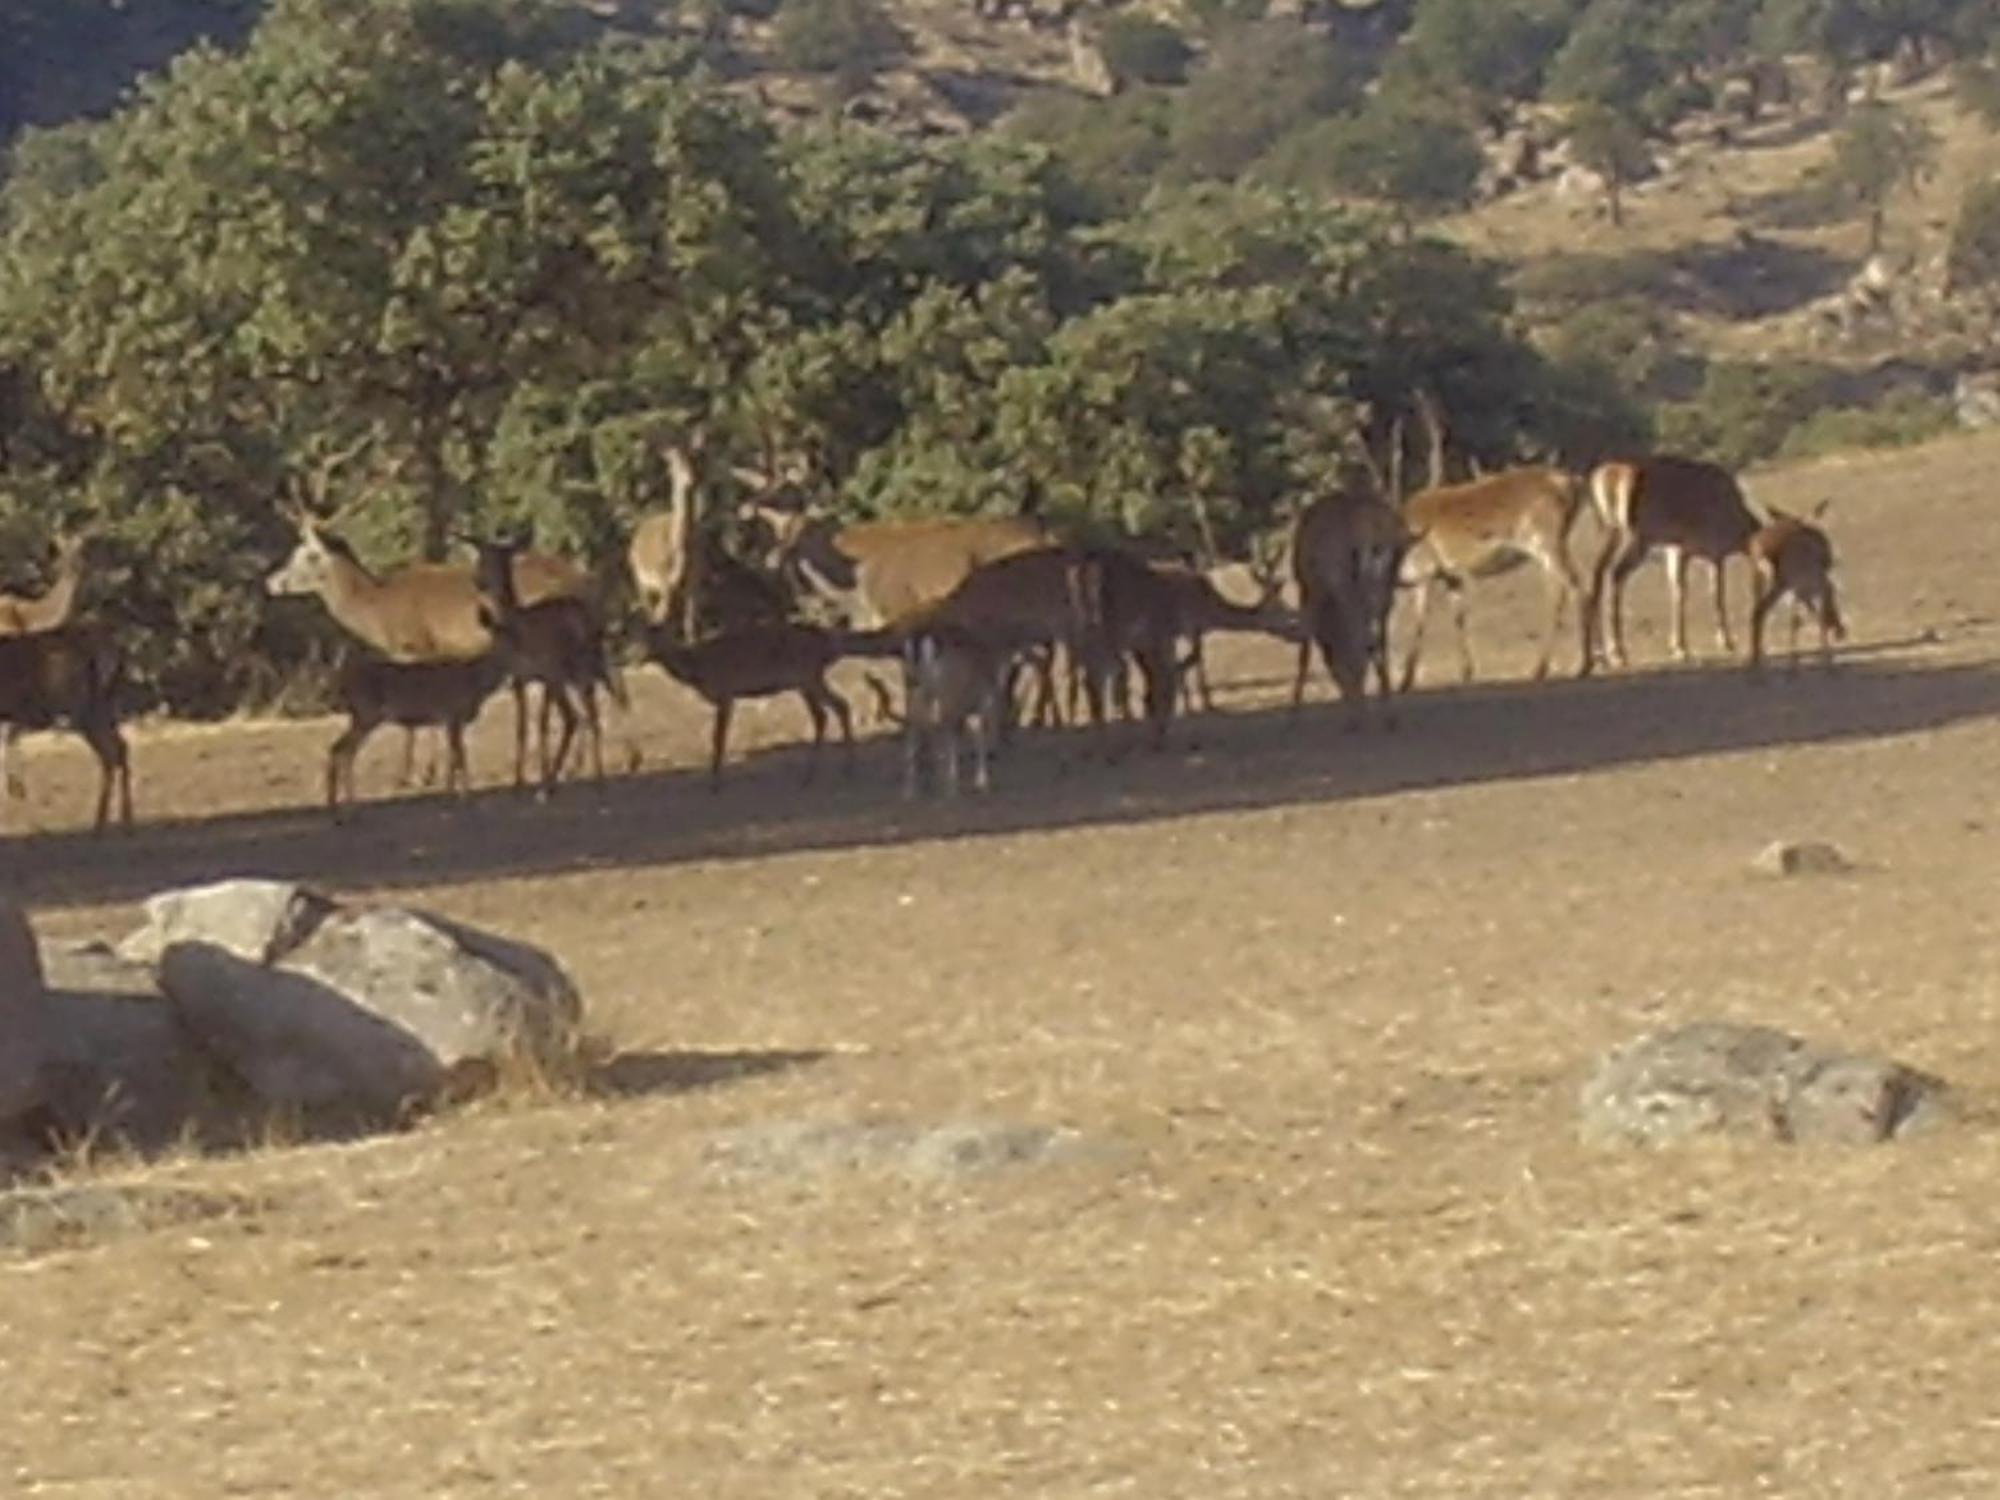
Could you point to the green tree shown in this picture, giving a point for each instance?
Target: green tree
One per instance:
(850, 41)
(1617, 58)
(1607, 142)
(1879, 151)
(1482, 54)
(1141, 49)
(1258, 83)
(1972, 263)
(1418, 160)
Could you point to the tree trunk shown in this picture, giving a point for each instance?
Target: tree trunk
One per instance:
(1615, 201)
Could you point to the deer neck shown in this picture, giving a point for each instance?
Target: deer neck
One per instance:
(54, 607)
(356, 598)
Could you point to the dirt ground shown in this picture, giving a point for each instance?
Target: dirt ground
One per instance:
(1335, 993)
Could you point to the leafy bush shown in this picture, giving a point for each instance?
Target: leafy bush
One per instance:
(1140, 49)
(852, 40)
(1627, 337)
(1257, 84)
(1897, 421)
(1113, 148)
(1553, 286)
(1973, 261)
(1417, 160)
(1743, 412)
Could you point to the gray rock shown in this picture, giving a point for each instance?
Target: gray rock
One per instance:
(120, 1068)
(253, 919)
(348, 1017)
(23, 1020)
(952, 1149)
(1721, 1078)
(1809, 858)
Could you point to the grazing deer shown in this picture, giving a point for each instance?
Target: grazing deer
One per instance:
(556, 642)
(26, 614)
(68, 675)
(412, 694)
(1791, 556)
(1688, 509)
(1200, 608)
(427, 612)
(1462, 533)
(1347, 549)
(757, 661)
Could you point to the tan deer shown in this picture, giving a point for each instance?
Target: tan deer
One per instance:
(681, 573)
(878, 573)
(557, 643)
(1464, 533)
(423, 612)
(757, 661)
(1791, 556)
(1347, 549)
(68, 675)
(420, 694)
(1688, 509)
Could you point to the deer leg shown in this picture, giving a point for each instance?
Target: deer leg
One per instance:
(520, 691)
(1767, 596)
(816, 711)
(1722, 634)
(1461, 608)
(1677, 576)
(558, 696)
(719, 742)
(1198, 659)
(844, 717)
(1561, 569)
(16, 787)
(340, 761)
(1305, 664)
(1423, 609)
(1620, 561)
(457, 772)
(594, 727)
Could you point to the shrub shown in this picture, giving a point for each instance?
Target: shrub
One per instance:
(1258, 84)
(851, 39)
(1898, 420)
(1743, 412)
(1973, 261)
(1139, 49)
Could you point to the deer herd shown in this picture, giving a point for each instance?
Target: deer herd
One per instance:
(983, 616)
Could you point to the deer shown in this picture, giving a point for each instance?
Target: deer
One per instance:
(1347, 549)
(1463, 533)
(1791, 556)
(556, 642)
(422, 612)
(679, 570)
(374, 691)
(68, 674)
(757, 661)
(953, 687)
(1687, 508)
(1201, 608)
(874, 574)
(28, 614)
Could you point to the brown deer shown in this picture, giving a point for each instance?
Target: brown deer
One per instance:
(1791, 556)
(412, 694)
(68, 675)
(1687, 508)
(426, 612)
(1463, 533)
(26, 614)
(1200, 608)
(555, 642)
(1347, 549)
(681, 573)
(757, 661)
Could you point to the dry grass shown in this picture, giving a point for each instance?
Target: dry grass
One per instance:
(1336, 990)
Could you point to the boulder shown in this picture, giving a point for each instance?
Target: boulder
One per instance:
(23, 1021)
(347, 1017)
(120, 1067)
(1811, 857)
(1713, 1077)
(253, 919)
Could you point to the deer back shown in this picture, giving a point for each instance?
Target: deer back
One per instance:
(1690, 503)
(889, 570)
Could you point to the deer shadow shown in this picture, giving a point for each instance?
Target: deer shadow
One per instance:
(1233, 760)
